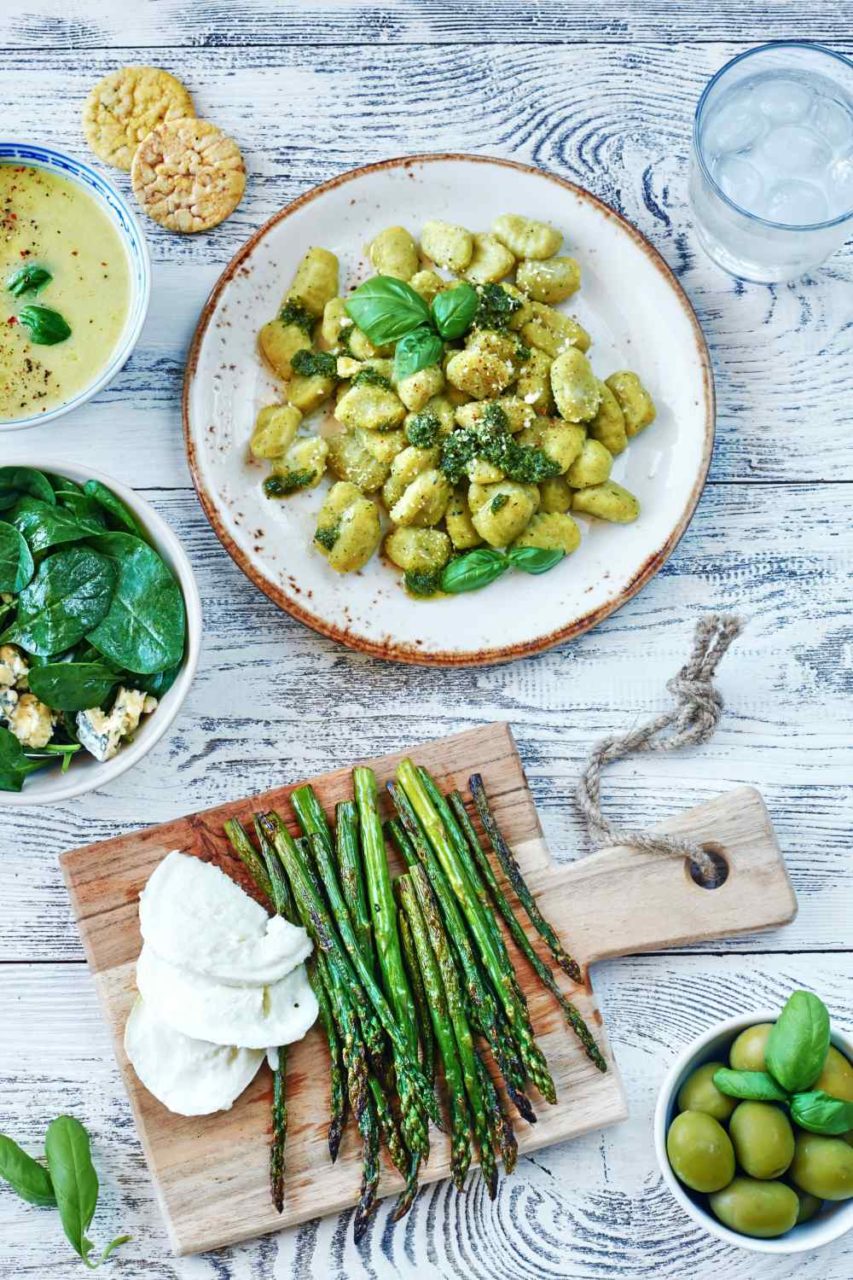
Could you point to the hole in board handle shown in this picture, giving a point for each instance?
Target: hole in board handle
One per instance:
(718, 876)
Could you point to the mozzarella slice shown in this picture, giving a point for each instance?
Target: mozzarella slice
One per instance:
(194, 915)
(190, 1077)
(251, 1016)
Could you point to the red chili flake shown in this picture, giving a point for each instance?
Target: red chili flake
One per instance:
(12, 320)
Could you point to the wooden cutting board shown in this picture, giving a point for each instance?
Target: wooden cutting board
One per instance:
(210, 1172)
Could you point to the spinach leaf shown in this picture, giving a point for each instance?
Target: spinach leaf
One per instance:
(759, 1086)
(45, 327)
(75, 1184)
(798, 1044)
(820, 1113)
(69, 595)
(24, 1174)
(122, 517)
(159, 683)
(417, 350)
(145, 628)
(14, 763)
(534, 559)
(17, 482)
(474, 570)
(453, 310)
(28, 279)
(73, 686)
(45, 526)
(16, 561)
(386, 309)
(83, 507)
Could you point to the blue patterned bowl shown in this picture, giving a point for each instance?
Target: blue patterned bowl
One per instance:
(133, 239)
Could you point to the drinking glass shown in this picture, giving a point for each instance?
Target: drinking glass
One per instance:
(771, 174)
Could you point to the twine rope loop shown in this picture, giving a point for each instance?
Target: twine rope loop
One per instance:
(692, 721)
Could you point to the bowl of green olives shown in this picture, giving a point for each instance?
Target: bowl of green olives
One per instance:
(754, 1129)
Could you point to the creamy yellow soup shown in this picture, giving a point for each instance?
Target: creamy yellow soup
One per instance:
(48, 222)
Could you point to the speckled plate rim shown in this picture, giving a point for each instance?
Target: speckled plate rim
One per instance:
(404, 652)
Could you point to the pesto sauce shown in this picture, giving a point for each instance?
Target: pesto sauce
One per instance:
(314, 364)
(281, 486)
(491, 439)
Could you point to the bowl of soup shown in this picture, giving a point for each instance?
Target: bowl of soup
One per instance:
(75, 281)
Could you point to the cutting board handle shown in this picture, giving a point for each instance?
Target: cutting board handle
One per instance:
(618, 901)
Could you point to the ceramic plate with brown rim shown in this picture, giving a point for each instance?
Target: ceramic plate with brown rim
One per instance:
(639, 318)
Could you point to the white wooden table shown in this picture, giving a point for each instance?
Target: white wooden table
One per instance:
(604, 95)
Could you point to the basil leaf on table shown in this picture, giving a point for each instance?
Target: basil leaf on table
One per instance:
(534, 559)
(20, 482)
(75, 1184)
(145, 627)
(16, 561)
(453, 310)
(474, 570)
(386, 309)
(415, 351)
(73, 686)
(45, 526)
(25, 1175)
(69, 595)
(798, 1043)
(115, 508)
(820, 1113)
(15, 765)
(758, 1086)
(28, 279)
(45, 327)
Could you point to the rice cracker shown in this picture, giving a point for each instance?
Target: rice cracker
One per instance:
(188, 175)
(126, 105)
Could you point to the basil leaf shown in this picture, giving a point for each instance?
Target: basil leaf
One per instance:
(28, 279)
(69, 595)
(820, 1113)
(45, 526)
(25, 1175)
(145, 627)
(18, 482)
(534, 559)
(46, 327)
(474, 570)
(386, 309)
(798, 1043)
(75, 1183)
(756, 1085)
(120, 514)
(16, 561)
(14, 763)
(453, 310)
(415, 351)
(72, 686)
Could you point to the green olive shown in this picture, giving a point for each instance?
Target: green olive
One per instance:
(747, 1052)
(836, 1079)
(809, 1206)
(699, 1093)
(755, 1208)
(823, 1166)
(763, 1139)
(700, 1151)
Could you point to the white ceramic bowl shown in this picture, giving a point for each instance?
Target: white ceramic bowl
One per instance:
(130, 232)
(713, 1045)
(48, 786)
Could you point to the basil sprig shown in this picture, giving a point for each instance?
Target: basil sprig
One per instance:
(483, 565)
(28, 279)
(820, 1113)
(757, 1086)
(798, 1044)
(46, 327)
(389, 311)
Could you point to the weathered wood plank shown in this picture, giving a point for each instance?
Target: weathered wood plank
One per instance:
(94, 24)
(258, 712)
(616, 121)
(592, 1209)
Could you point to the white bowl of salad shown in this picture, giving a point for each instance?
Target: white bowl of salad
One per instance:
(100, 630)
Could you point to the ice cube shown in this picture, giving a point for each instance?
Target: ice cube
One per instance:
(795, 148)
(735, 125)
(741, 181)
(833, 120)
(840, 185)
(796, 203)
(782, 100)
